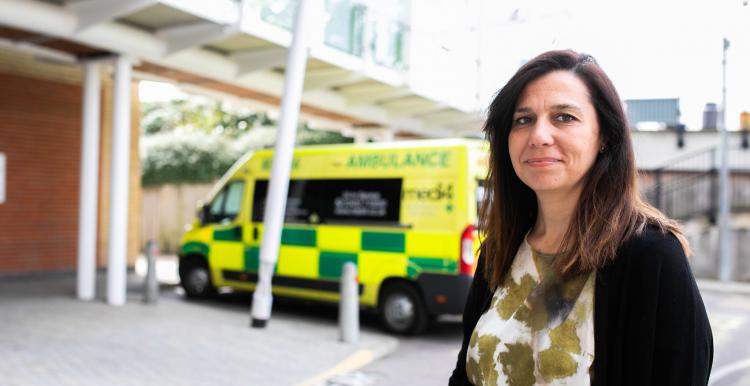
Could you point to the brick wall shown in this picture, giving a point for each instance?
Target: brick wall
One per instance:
(40, 133)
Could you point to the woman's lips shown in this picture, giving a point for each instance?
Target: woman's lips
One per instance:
(542, 162)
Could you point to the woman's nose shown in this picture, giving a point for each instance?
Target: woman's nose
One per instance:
(541, 134)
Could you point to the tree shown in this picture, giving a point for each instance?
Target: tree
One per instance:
(196, 141)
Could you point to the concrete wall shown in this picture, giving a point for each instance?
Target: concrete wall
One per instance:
(704, 240)
(654, 149)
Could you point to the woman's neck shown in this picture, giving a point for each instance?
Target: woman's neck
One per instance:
(552, 221)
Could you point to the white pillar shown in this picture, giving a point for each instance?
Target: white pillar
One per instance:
(118, 201)
(87, 207)
(273, 218)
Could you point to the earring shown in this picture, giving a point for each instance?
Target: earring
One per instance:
(601, 149)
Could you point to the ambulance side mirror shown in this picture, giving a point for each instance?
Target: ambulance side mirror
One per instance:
(204, 215)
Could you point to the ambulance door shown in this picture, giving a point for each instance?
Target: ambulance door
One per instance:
(255, 227)
(227, 248)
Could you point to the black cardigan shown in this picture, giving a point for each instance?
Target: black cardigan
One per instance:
(650, 325)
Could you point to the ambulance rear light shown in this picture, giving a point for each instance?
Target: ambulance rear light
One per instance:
(468, 262)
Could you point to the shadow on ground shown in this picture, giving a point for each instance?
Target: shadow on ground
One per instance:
(240, 301)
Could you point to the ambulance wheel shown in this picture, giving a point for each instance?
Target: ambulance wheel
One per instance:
(402, 309)
(195, 277)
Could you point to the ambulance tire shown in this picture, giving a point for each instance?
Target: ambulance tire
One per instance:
(402, 309)
(195, 277)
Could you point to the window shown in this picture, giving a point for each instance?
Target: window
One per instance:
(217, 205)
(345, 27)
(226, 205)
(348, 201)
(234, 199)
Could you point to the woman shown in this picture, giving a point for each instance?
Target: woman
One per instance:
(579, 281)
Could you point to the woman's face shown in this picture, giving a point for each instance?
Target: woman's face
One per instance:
(554, 137)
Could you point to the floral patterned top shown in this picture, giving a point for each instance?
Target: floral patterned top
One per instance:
(539, 329)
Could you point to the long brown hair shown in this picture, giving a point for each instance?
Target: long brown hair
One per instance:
(610, 209)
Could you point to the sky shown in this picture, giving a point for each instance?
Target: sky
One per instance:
(650, 49)
(152, 91)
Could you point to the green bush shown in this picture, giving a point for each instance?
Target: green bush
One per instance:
(175, 157)
(199, 115)
(197, 140)
(186, 158)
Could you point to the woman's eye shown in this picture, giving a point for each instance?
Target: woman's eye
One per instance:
(566, 118)
(521, 121)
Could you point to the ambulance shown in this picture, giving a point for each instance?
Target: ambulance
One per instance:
(405, 213)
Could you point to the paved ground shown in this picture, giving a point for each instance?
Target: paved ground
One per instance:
(49, 338)
(729, 312)
(428, 359)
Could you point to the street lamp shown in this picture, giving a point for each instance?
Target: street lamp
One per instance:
(725, 260)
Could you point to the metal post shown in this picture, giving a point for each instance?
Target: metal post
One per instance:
(725, 260)
(349, 305)
(273, 217)
(151, 290)
(657, 190)
(713, 173)
(118, 192)
(89, 194)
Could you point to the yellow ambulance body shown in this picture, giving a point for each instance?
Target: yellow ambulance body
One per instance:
(404, 213)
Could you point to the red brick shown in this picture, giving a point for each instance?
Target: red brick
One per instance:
(40, 134)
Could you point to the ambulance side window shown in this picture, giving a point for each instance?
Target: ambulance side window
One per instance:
(226, 205)
(332, 201)
(234, 199)
(217, 205)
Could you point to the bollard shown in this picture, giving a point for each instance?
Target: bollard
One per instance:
(151, 290)
(349, 304)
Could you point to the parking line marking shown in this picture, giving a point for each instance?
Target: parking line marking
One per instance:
(357, 360)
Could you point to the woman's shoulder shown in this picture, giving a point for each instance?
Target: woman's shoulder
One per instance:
(653, 238)
(651, 250)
